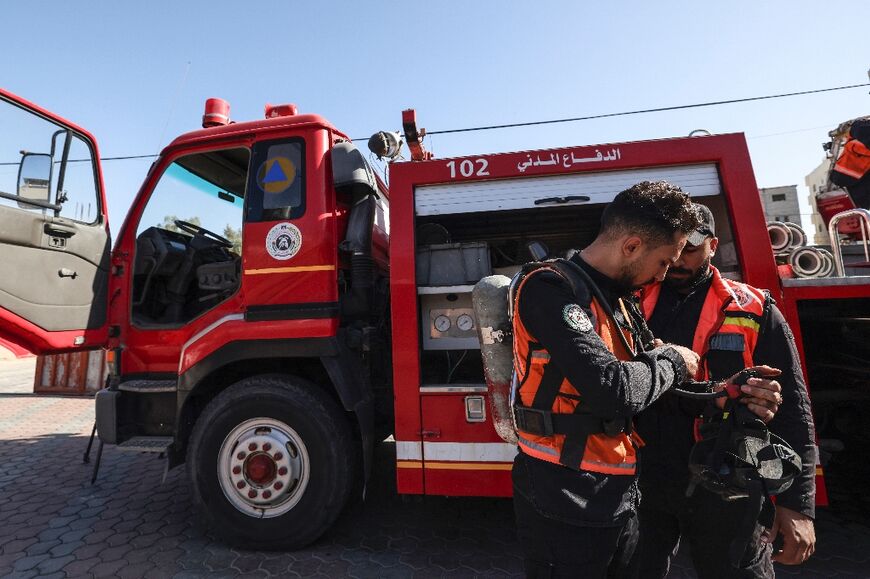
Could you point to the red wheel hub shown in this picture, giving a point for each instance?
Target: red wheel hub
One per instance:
(260, 469)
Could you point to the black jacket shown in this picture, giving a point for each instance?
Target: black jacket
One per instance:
(608, 387)
(667, 425)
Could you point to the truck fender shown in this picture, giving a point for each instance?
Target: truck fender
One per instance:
(342, 366)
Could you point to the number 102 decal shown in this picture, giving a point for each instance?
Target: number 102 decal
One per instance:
(469, 168)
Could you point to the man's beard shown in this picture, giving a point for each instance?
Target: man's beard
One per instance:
(626, 280)
(692, 280)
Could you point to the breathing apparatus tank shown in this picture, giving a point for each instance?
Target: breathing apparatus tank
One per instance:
(490, 300)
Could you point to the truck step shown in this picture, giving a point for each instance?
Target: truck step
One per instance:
(148, 386)
(146, 444)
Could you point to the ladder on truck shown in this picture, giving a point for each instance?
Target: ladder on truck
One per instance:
(863, 217)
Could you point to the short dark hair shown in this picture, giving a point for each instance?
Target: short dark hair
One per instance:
(654, 210)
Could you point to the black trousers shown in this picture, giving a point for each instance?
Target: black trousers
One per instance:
(707, 523)
(554, 549)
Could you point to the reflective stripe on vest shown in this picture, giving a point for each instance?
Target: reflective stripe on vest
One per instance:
(730, 307)
(602, 453)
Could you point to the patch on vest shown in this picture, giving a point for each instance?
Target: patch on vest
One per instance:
(740, 296)
(576, 318)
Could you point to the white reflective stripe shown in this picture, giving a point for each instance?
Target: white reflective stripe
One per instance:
(206, 330)
(536, 446)
(406, 450)
(456, 451)
(625, 465)
(470, 451)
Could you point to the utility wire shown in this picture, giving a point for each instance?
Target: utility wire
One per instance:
(640, 111)
(575, 119)
(16, 163)
(643, 111)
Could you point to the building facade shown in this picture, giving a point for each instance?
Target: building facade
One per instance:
(781, 203)
(817, 181)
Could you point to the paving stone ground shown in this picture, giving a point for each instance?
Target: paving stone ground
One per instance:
(53, 523)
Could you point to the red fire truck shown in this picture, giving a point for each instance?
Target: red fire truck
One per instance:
(270, 311)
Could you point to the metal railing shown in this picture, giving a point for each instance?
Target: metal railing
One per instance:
(864, 218)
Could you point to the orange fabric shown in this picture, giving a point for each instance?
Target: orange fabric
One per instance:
(615, 455)
(855, 160)
(726, 301)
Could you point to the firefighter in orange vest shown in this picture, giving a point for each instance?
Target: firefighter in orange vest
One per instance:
(583, 372)
(730, 325)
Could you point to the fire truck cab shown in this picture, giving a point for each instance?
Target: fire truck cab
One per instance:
(251, 361)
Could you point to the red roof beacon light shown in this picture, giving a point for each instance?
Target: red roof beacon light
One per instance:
(273, 111)
(217, 113)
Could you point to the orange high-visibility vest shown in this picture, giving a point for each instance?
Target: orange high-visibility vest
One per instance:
(730, 319)
(603, 453)
(854, 161)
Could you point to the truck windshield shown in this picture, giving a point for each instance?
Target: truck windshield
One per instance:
(204, 189)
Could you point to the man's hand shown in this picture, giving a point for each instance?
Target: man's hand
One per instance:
(798, 535)
(763, 395)
(689, 357)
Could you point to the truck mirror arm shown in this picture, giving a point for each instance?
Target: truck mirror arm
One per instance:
(34, 202)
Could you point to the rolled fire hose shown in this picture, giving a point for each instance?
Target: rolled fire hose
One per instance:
(829, 262)
(780, 236)
(807, 262)
(798, 235)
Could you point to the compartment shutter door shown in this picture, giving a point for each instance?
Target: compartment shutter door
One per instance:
(521, 193)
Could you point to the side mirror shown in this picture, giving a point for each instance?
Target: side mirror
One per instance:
(34, 178)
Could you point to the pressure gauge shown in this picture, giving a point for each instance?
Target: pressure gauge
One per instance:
(465, 322)
(442, 323)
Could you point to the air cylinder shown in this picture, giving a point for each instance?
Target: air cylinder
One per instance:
(490, 301)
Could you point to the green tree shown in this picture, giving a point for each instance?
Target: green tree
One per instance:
(234, 235)
(169, 222)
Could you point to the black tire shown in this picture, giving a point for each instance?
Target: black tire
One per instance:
(325, 435)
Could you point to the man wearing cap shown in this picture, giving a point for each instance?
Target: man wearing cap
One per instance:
(731, 325)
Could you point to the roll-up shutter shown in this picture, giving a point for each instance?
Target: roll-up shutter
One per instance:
(522, 193)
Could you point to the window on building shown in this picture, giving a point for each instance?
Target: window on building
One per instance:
(777, 197)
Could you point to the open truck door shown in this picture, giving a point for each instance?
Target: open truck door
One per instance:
(54, 235)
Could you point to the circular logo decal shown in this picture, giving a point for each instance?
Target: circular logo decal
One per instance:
(576, 318)
(283, 241)
(740, 296)
(276, 175)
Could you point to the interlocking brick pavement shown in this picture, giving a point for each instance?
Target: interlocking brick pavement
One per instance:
(53, 523)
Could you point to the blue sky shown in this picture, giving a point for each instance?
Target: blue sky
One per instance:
(138, 74)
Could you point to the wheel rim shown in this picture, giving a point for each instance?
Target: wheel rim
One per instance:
(263, 467)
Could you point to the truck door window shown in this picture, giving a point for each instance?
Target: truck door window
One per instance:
(277, 182)
(189, 238)
(32, 155)
(79, 185)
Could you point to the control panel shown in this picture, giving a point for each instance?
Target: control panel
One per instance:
(447, 318)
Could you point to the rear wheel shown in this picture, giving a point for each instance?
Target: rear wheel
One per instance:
(270, 463)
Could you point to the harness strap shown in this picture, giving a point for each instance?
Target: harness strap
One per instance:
(756, 500)
(547, 423)
(548, 389)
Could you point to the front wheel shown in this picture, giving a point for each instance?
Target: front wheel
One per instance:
(270, 462)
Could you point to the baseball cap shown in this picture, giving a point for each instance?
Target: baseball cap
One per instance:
(707, 227)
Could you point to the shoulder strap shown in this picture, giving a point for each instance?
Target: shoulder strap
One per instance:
(577, 276)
